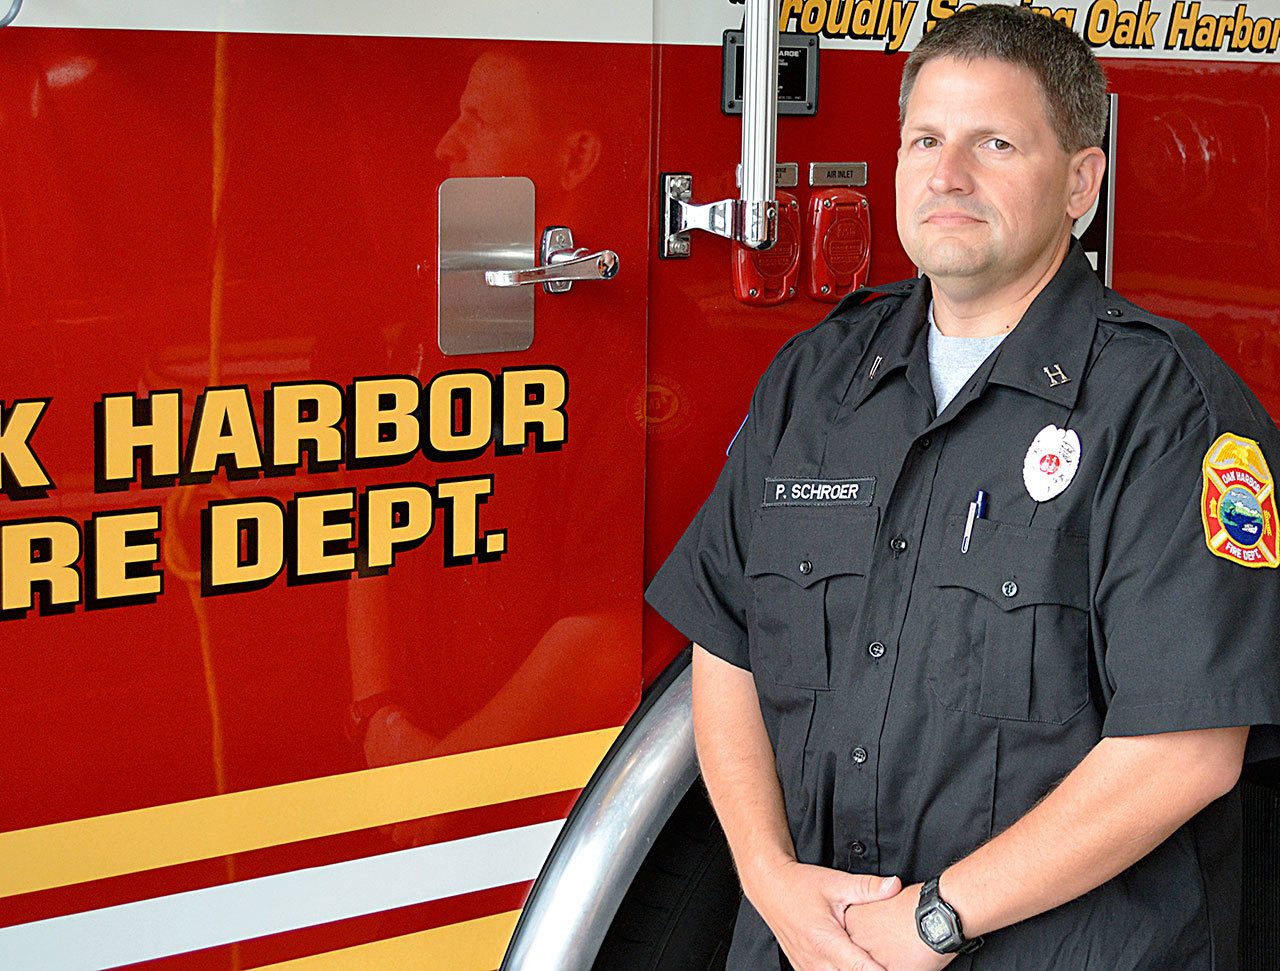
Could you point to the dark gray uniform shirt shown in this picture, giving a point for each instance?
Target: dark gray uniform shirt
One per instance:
(919, 699)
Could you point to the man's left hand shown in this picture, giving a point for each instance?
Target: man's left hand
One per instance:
(886, 929)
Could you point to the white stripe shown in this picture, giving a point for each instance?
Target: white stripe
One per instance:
(156, 928)
(598, 21)
(629, 21)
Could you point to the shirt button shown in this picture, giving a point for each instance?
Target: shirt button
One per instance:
(806, 567)
(876, 649)
(898, 544)
(1010, 589)
(858, 848)
(859, 755)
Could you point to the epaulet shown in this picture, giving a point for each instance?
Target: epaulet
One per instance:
(1224, 392)
(865, 295)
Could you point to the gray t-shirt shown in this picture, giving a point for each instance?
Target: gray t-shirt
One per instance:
(952, 360)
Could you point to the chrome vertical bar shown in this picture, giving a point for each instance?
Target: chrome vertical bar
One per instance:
(758, 214)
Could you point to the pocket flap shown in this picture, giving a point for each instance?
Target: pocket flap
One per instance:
(1013, 566)
(808, 544)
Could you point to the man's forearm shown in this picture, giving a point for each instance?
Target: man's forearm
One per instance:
(1121, 802)
(737, 764)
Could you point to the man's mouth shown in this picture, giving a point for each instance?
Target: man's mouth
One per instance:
(951, 218)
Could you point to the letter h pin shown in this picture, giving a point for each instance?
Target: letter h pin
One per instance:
(1056, 377)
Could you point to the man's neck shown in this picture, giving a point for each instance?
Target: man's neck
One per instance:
(961, 313)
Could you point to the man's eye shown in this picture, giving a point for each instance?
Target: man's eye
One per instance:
(999, 144)
(927, 141)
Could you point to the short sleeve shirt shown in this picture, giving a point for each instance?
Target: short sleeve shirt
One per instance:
(922, 693)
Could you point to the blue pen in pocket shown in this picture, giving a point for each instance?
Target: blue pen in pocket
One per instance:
(977, 510)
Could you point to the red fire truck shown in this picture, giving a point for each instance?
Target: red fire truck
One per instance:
(362, 361)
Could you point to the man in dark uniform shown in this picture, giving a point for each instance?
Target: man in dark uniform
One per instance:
(985, 598)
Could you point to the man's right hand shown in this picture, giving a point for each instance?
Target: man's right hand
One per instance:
(804, 907)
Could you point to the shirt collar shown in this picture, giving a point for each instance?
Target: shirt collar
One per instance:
(900, 338)
(1045, 354)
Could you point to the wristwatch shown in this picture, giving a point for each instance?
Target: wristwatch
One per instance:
(939, 924)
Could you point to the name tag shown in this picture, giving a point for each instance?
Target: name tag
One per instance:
(819, 492)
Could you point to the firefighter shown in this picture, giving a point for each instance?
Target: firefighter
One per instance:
(1013, 660)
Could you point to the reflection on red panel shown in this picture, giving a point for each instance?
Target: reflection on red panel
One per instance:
(181, 211)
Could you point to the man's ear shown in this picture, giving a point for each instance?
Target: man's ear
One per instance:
(579, 153)
(1084, 180)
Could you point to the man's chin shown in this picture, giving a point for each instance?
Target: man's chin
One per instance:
(954, 268)
(950, 258)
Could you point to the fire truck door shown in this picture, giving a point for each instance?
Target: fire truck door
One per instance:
(351, 555)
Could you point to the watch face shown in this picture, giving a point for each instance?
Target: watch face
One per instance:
(935, 927)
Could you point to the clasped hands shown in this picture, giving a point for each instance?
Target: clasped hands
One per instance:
(828, 920)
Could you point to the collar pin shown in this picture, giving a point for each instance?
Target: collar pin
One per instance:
(1055, 375)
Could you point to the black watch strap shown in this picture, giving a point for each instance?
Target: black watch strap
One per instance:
(939, 925)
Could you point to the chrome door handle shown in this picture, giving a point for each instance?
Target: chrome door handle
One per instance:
(566, 267)
(562, 265)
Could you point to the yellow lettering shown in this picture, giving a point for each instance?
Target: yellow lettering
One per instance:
(813, 16)
(1100, 22)
(20, 471)
(943, 10)
(324, 531)
(462, 499)
(289, 428)
(1204, 32)
(839, 16)
(223, 430)
(1182, 20)
(395, 519)
(242, 544)
(39, 554)
(386, 425)
(902, 15)
(473, 391)
(119, 551)
(122, 432)
(790, 9)
(533, 399)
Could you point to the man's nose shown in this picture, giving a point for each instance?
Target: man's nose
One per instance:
(450, 147)
(951, 171)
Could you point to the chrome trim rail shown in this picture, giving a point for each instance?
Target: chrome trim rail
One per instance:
(612, 828)
(14, 9)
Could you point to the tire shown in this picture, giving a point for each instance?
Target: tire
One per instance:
(1260, 919)
(679, 912)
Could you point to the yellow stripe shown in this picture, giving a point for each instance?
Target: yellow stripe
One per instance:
(144, 839)
(475, 945)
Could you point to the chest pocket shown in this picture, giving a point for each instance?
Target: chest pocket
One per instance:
(1011, 631)
(808, 568)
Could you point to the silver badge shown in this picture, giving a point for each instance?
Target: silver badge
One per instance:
(1051, 462)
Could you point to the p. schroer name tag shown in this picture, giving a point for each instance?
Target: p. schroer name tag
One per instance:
(819, 492)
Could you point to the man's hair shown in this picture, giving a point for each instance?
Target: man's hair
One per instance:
(1072, 85)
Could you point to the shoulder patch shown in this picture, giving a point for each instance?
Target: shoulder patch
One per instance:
(1238, 504)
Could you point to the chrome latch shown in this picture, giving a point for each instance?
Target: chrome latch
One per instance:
(752, 223)
(563, 265)
(752, 218)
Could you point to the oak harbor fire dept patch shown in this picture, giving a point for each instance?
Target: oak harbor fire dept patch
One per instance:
(1239, 505)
